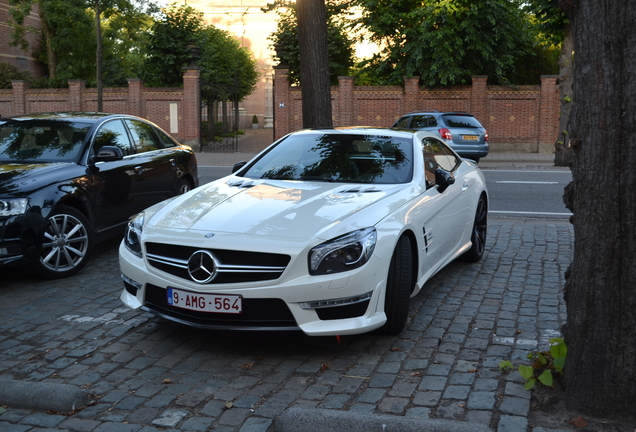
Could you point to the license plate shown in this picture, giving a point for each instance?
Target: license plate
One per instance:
(216, 303)
(470, 137)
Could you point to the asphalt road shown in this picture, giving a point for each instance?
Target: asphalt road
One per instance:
(513, 192)
(530, 193)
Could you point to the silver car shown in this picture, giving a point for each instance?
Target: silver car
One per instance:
(461, 131)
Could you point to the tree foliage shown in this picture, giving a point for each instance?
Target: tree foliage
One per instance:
(69, 40)
(9, 73)
(339, 43)
(227, 69)
(444, 41)
(167, 50)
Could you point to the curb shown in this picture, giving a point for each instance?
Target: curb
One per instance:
(297, 419)
(40, 396)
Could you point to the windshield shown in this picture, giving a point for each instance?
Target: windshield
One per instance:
(337, 157)
(41, 140)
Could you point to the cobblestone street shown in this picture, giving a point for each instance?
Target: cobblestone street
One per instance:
(145, 374)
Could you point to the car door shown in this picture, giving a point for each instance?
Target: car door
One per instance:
(115, 183)
(443, 227)
(157, 166)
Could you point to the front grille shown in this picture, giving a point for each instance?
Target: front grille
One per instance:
(234, 266)
(257, 313)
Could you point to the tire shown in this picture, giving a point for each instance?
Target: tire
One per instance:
(480, 229)
(398, 288)
(183, 187)
(67, 244)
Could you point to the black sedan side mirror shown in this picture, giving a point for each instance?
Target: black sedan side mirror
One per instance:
(108, 153)
(237, 166)
(443, 179)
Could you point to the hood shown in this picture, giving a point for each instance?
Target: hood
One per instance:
(24, 178)
(277, 208)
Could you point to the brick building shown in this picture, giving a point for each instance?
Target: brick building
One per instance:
(14, 55)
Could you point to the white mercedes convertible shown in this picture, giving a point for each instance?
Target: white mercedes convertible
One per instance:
(326, 231)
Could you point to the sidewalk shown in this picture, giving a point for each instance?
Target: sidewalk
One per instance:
(255, 140)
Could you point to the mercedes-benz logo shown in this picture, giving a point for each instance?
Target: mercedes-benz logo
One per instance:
(202, 266)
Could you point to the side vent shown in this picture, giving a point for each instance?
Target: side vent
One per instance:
(427, 236)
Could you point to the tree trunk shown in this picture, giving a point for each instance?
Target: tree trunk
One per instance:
(226, 123)
(314, 63)
(563, 152)
(98, 59)
(47, 34)
(600, 331)
(211, 119)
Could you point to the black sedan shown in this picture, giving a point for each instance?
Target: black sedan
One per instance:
(68, 180)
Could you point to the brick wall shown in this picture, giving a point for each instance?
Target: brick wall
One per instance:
(154, 104)
(523, 118)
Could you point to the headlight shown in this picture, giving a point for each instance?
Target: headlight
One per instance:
(12, 207)
(343, 253)
(132, 238)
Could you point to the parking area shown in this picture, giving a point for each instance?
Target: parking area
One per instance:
(144, 373)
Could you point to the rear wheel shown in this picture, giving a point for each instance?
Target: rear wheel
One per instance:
(480, 228)
(67, 244)
(398, 288)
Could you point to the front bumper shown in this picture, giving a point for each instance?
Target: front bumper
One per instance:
(344, 303)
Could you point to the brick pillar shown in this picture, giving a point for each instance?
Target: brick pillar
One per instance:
(135, 86)
(410, 101)
(346, 111)
(479, 100)
(76, 89)
(548, 114)
(191, 117)
(19, 97)
(281, 103)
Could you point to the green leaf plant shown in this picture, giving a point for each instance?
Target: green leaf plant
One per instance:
(543, 365)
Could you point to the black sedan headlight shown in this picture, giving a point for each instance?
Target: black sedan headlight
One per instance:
(132, 238)
(343, 253)
(13, 206)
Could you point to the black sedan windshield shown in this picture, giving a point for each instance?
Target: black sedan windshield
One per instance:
(41, 140)
(337, 157)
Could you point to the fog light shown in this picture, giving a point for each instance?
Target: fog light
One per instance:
(136, 285)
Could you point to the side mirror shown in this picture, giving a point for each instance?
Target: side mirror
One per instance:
(443, 179)
(108, 153)
(237, 166)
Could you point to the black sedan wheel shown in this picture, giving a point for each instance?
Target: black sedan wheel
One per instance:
(183, 187)
(399, 288)
(67, 244)
(480, 228)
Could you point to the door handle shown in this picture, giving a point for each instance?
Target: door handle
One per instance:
(139, 170)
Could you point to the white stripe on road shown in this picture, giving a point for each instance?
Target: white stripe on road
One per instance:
(526, 182)
(530, 213)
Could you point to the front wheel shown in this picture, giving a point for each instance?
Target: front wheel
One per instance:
(67, 244)
(183, 187)
(398, 288)
(480, 229)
